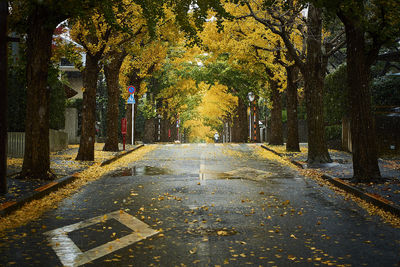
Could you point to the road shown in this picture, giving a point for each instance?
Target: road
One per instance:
(204, 205)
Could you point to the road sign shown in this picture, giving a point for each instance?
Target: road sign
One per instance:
(131, 89)
(131, 100)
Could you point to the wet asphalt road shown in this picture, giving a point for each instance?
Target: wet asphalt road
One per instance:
(204, 205)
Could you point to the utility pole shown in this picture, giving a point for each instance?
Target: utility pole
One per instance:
(3, 95)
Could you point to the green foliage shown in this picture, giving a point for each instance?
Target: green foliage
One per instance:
(284, 115)
(335, 99)
(333, 132)
(146, 108)
(386, 91)
(17, 97)
(57, 100)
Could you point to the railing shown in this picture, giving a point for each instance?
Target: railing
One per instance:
(58, 140)
(16, 144)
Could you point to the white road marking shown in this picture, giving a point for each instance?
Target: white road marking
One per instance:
(202, 176)
(70, 255)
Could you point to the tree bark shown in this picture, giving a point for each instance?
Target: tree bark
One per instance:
(111, 71)
(88, 133)
(363, 133)
(292, 143)
(3, 96)
(276, 137)
(149, 135)
(240, 130)
(36, 163)
(314, 74)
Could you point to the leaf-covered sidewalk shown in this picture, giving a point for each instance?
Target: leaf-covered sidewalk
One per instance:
(342, 167)
(62, 164)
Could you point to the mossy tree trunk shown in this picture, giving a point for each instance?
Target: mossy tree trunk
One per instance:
(292, 143)
(276, 137)
(36, 163)
(3, 94)
(363, 133)
(88, 132)
(111, 71)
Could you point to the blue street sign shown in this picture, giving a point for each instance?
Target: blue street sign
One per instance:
(131, 100)
(131, 89)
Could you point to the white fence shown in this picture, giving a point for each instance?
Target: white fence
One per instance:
(16, 142)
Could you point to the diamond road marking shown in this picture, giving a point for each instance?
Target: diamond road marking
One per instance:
(70, 255)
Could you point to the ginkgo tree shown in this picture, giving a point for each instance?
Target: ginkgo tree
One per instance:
(38, 20)
(103, 42)
(369, 26)
(248, 43)
(279, 18)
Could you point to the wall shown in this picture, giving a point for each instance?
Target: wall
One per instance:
(71, 125)
(303, 136)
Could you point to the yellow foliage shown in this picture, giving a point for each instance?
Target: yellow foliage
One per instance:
(216, 105)
(251, 43)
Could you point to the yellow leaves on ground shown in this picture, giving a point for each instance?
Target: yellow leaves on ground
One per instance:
(316, 175)
(36, 208)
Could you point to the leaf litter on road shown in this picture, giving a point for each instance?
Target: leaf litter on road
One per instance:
(36, 208)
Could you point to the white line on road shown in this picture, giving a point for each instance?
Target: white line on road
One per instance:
(70, 255)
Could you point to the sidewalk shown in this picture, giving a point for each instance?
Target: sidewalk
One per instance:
(385, 194)
(62, 163)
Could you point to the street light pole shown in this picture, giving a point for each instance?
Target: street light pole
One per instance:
(251, 97)
(255, 122)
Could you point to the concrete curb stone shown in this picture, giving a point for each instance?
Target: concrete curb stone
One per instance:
(8, 207)
(370, 198)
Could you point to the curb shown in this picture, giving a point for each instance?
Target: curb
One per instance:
(120, 155)
(8, 207)
(370, 198)
(298, 164)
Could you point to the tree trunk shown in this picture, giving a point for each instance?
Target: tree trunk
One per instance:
(149, 135)
(314, 74)
(3, 96)
(363, 135)
(292, 143)
(111, 71)
(240, 130)
(37, 158)
(88, 132)
(276, 136)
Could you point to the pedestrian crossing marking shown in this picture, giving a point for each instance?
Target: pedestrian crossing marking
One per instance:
(69, 253)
